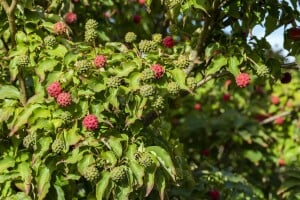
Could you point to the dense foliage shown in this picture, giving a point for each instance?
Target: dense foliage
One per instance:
(125, 99)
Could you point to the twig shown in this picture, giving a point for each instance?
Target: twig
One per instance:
(270, 119)
(211, 76)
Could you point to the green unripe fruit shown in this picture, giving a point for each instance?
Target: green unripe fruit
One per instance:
(91, 24)
(82, 66)
(173, 88)
(147, 46)
(118, 174)
(50, 41)
(90, 35)
(67, 117)
(130, 37)
(144, 159)
(147, 90)
(147, 75)
(58, 145)
(4, 74)
(159, 103)
(113, 82)
(157, 38)
(29, 140)
(173, 28)
(191, 82)
(91, 173)
(182, 61)
(262, 70)
(23, 61)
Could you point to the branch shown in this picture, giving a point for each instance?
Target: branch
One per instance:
(5, 5)
(211, 76)
(273, 118)
(23, 97)
(9, 10)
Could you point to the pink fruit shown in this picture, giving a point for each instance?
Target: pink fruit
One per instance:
(279, 121)
(100, 61)
(168, 42)
(281, 162)
(54, 89)
(70, 18)
(214, 195)
(59, 28)
(64, 99)
(158, 70)
(90, 122)
(226, 97)
(142, 2)
(242, 80)
(197, 106)
(275, 100)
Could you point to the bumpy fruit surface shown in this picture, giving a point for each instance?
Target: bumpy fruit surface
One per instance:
(54, 89)
(286, 78)
(114, 82)
(157, 38)
(23, 61)
(158, 71)
(118, 174)
(173, 88)
(67, 117)
(262, 70)
(91, 173)
(130, 37)
(59, 28)
(82, 66)
(147, 46)
(137, 19)
(100, 61)
(70, 18)
(168, 42)
(91, 24)
(182, 61)
(29, 140)
(159, 103)
(50, 41)
(90, 35)
(144, 159)
(191, 82)
(242, 80)
(58, 145)
(90, 122)
(147, 90)
(64, 99)
(147, 75)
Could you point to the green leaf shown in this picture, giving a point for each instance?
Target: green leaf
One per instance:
(60, 51)
(203, 5)
(86, 161)
(254, 156)
(46, 65)
(9, 92)
(26, 174)
(43, 182)
(110, 157)
(102, 185)
(233, 65)
(138, 170)
(60, 192)
(160, 182)
(23, 118)
(6, 163)
(149, 179)
(75, 156)
(164, 158)
(217, 63)
(179, 76)
(21, 37)
(115, 145)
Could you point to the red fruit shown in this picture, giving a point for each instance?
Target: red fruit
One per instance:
(226, 97)
(137, 19)
(294, 33)
(279, 121)
(54, 89)
(142, 2)
(275, 100)
(214, 195)
(286, 78)
(100, 61)
(168, 42)
(197, 106)
(64, 99)
(59, 28)
(281, 162)
(205, 152)
(76, 1)
(289, 104)
(70, 18)
(158, 70)
(242, 80)
(90, 122)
